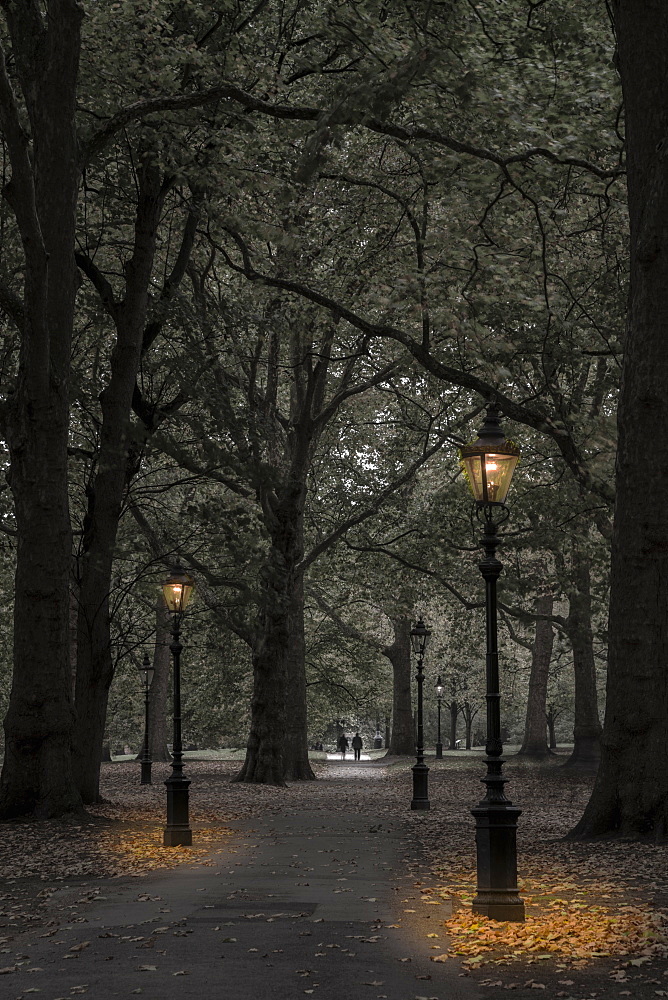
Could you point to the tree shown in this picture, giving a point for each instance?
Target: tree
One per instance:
(534, 743)
(37, 774)
(630, 796)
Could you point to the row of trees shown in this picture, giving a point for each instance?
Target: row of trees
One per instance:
(259, 268)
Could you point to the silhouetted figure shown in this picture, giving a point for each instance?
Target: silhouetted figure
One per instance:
(343, 745)
(357, 745)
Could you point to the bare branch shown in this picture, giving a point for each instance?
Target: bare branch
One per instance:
(341, 115)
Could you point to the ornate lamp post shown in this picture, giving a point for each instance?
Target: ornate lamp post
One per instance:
(419, 639)
(439, 695)
(489, 464)
(378, 738)
(177, 589)
(146, 671)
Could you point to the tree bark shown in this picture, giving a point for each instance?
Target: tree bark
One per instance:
(630, 795)
(94, 661)
(454, 712)
(402, 739)
(534, 743)
(587, 727)
(469, 714)
(550, 719)
(37, 774)
(297, 764)
(274, 646)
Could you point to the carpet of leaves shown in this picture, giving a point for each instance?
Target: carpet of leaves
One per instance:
(594, 909)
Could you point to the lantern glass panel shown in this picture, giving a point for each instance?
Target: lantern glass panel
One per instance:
(489, 474)
(178, 591)
(419, 638)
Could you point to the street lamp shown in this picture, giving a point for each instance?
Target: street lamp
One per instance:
(146, 671)
(177, 590)
(488, 464)
(419, 639)
(439, 695)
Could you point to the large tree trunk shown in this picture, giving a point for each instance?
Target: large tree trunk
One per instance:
(274, 645)
(296, 762)
(587, 727)
(630, 796)
(159, 693)
(94, 661)
(402, 739)
(454, 712)
(265, 762)
(534, 743)
(550, 718)
(469, 716)
(37, 772)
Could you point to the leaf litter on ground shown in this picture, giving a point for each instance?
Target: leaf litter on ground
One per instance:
(585, 901)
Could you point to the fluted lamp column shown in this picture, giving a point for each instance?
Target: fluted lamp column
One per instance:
(146, 671)
(178, 590)
(419, 639)
(489, 463)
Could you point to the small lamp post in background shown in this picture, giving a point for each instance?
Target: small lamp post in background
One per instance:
(419, 639)
(178, 590)
(489, 463)
(439, 695)
(146, 672)
(378, 738)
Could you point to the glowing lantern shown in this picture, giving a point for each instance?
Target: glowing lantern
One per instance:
(489, 462)
(178, 590)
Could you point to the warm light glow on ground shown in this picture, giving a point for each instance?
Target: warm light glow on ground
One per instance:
(568, 922)
(573, 935)
(139, 851)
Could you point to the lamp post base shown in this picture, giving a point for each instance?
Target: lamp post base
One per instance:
(174, 836)
(502, 908)
(146, 772)
(177, 832)
(420, 798)
(439, 750)
(496, 849)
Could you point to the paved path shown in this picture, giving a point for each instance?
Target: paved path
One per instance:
(301, 909)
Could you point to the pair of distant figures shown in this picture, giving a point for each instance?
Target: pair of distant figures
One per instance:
(356, 744)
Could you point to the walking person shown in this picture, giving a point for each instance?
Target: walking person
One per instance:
(343, 745)
(357, 745)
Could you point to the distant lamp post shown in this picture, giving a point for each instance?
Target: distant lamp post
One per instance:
(146, 672)
(378, 738)
(439, 695)
(489, 463)
(419, 640)
(177, 590)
